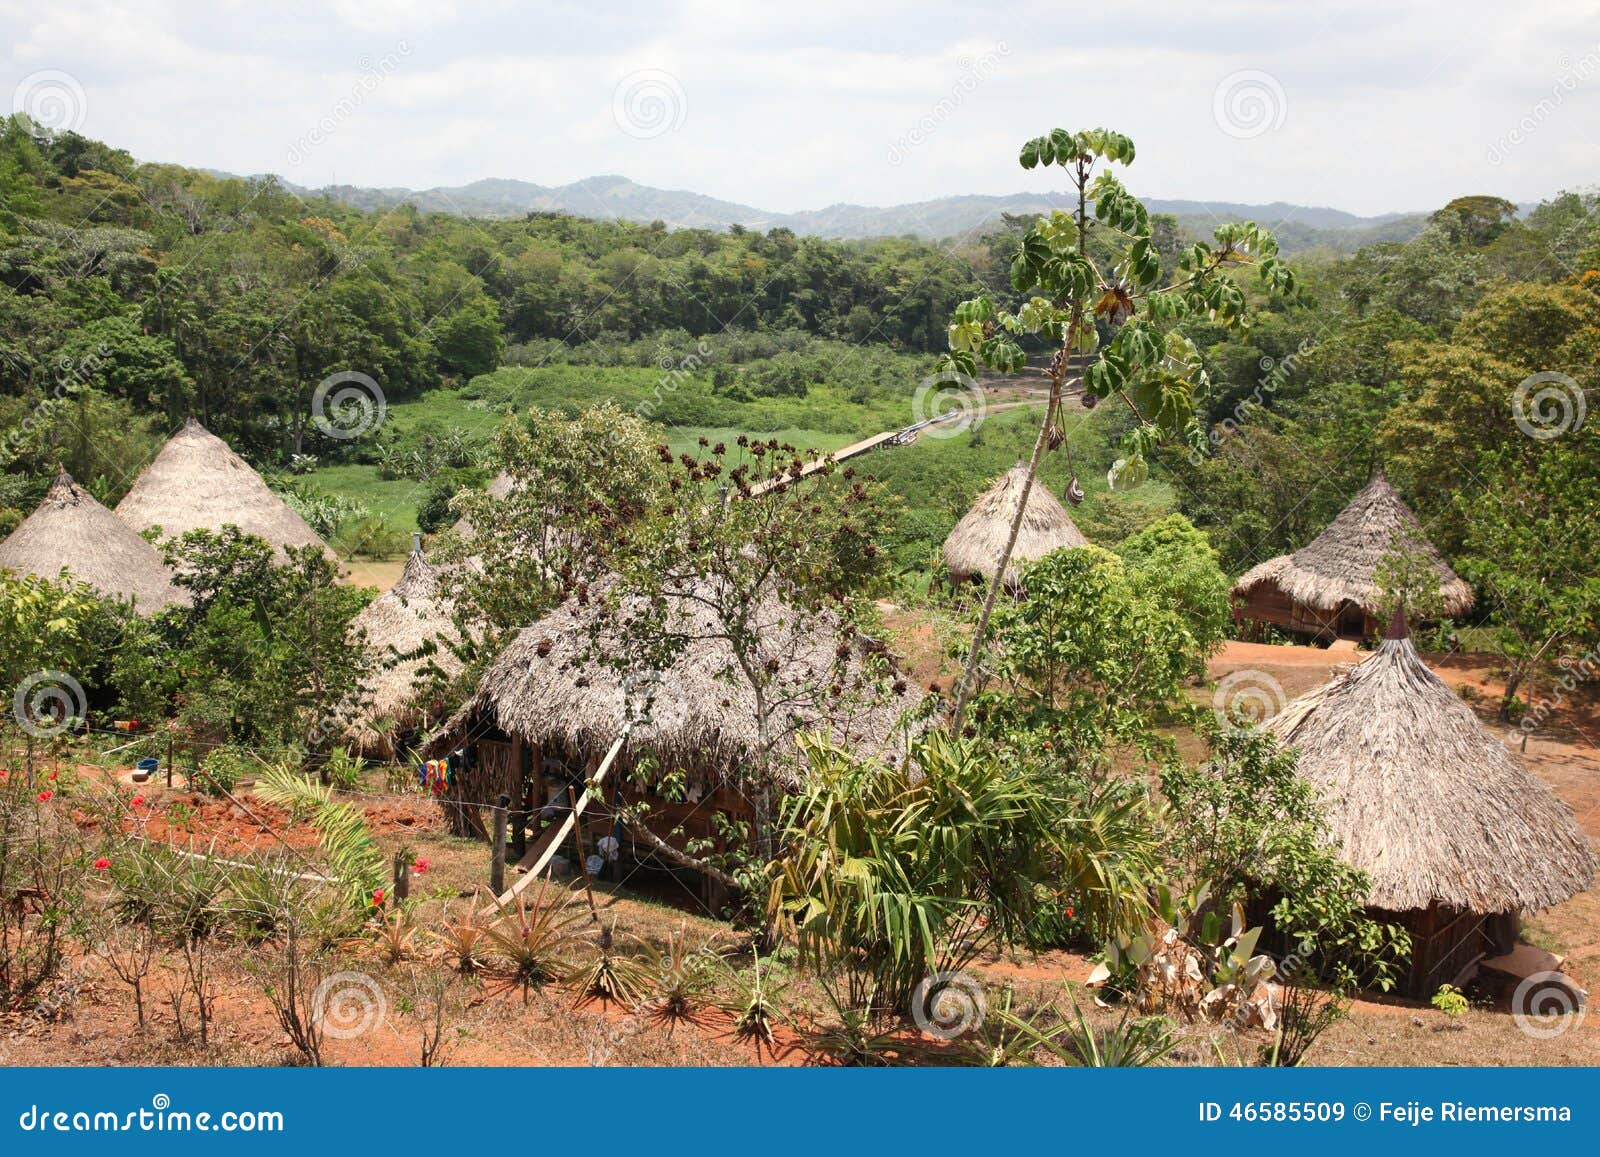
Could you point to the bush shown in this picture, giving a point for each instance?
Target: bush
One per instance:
(1245, 823)
(223, 767)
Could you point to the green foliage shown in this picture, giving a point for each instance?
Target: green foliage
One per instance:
(1531, 542)
(54, 626)
(222, 767)
(1096, 654)
(1449, 1000)
(262, 658)
(348, 848)
(1255, 831)
(896, 873)
(1177, 561)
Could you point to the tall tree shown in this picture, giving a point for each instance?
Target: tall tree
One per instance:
(1069, 295)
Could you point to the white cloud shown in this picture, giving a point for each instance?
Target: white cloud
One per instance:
(798, 106)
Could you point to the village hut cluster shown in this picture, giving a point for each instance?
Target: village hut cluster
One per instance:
(195, 482)
(1458, 839)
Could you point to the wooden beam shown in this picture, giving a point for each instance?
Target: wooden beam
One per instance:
(554, 841)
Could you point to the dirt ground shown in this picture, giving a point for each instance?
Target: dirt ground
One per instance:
(90, 1019)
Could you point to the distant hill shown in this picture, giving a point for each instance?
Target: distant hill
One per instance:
(612, 197)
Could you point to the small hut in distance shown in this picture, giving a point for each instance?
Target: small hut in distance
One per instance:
(1328, 589)
(1456, 836)
(70, 531)
(973, 549)
(197, 482)
(408, 629)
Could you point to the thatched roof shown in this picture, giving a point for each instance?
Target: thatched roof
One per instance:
(699, 713)
(1424, 799)
(1341, 563)
(974, 547)
(71, 531)
(198, 483)
(399, 625)
(498, 488)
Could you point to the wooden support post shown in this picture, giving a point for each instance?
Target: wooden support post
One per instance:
(402, 877)
(583, 861)
(497, 868)
(169, 759)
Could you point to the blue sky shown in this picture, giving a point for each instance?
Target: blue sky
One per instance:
(1370, 107)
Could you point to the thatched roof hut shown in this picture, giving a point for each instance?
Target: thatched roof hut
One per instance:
(1448, 824)
(70, 531)
(974, 547)
(1329, 587)
(500, 487)
(546, 710)
(198, 483)
(407, 628)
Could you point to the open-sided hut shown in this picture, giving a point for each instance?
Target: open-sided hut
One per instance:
(198, 483)
(1328, 589)
(408, 631)
(548, 709)
(69, 531)
(1457, 837)
(974, 547)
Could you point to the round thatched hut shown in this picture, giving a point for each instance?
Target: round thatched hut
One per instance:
(553, 703)
(198, 483)
(1328, 589)
(974, 547)
(408, 630)
(70, 531)
(499, 487)
(1456, 835)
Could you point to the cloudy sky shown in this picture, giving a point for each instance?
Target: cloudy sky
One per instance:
(1370, 107)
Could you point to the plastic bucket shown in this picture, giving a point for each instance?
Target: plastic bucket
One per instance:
(144, 769)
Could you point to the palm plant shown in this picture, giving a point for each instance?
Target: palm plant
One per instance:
(898, 873)
(347, 844)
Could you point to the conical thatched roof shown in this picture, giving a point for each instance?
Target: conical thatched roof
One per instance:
(399, 625)
(1425, 800)
(198, 483)
(699, 713)
(71, 531)
(498, 488)
(974, 547)
(1341, 563)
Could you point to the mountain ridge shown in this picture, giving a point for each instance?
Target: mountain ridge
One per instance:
(610, 196)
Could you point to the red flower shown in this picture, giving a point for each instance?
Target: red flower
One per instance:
(102, 864)
(1047, 745)
(51, 777)
(46, 796)
(137, 801)
(419, 866)
(377, 898)
(1069, 913)
(4, 775)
